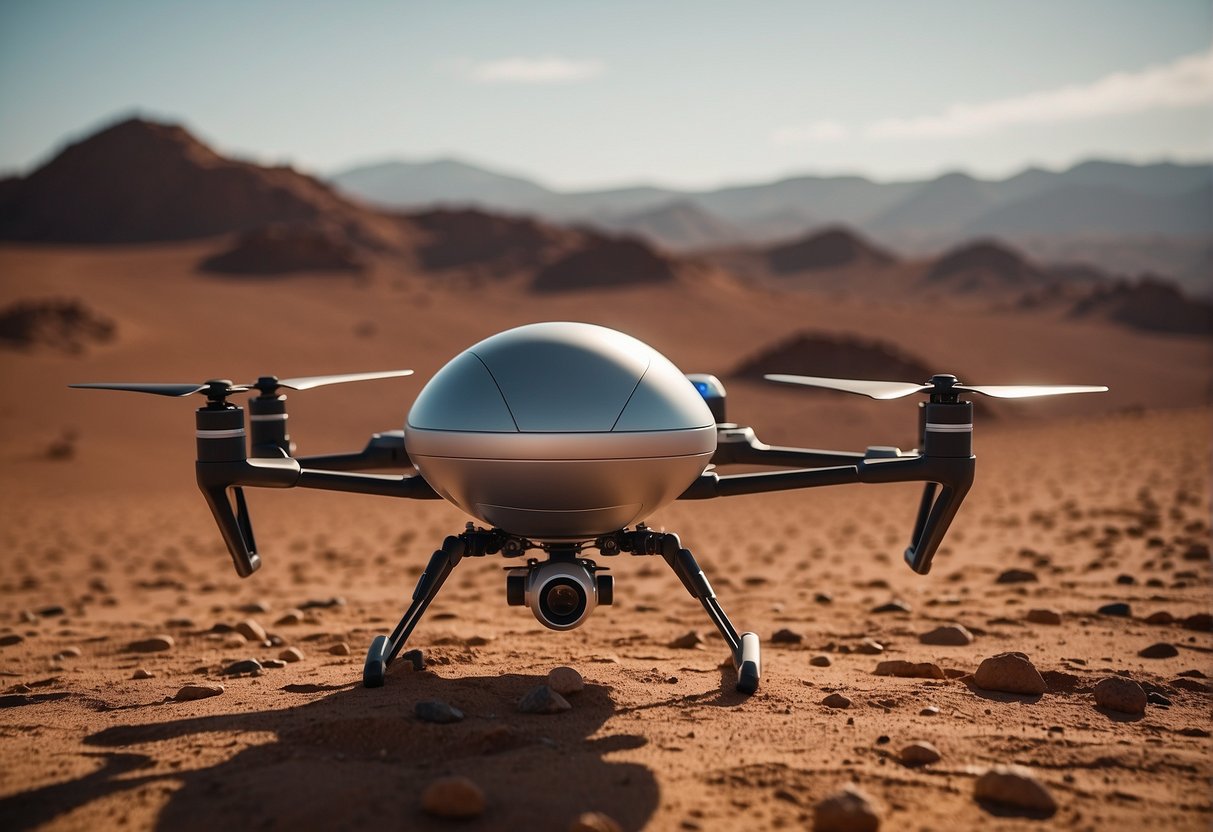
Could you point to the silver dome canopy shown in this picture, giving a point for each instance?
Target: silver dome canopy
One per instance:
(559, 378)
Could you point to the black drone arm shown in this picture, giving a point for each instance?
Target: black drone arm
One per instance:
(384, 450)
(945, 464)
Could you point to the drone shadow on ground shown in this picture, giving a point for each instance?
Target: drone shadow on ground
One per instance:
(358, 758)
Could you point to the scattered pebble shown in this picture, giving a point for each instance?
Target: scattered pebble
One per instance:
(823, 598)
(950, 635)
(453, 797)
(252, 631)
(594, 822)
(1126, 580)
(340, 649)
(51, 611)
(847, 810)
(1119, 608)
(1156, 698)
(1160, 617)
(910, 670)
(1044, 615)
(870, 647)
(322, 603)
(291, 654)
(1017, 576)
(142, 673)
(1015, 786)
(415, 658)
(1010, 673)
(290, 618)
(565, 681)
(155, 644)
(543, 700)
(1161, 650)
(437, 711)
(242, 666)
(920, 753)
(786, 636)
(836, 700)
(1116, 693)
(273, 664)
(688, 641)
(258, 607)
(896, 605)
(929, 710)
(69, 653)
(198, 691)
(820, 660)
(9, 639)
(1202, 621)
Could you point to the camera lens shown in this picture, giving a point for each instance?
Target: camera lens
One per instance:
(562, 602)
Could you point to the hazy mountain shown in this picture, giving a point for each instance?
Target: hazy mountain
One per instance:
(938, 206)
(833, 248)
(677, 226)
(440, 182)
(1085, 209)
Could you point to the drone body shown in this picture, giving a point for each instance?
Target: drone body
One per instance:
(562, 438)
(560, 431)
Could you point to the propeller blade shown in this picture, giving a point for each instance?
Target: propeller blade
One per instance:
(872, 389)
(137, 387)
(1027, 391)
(308, 382)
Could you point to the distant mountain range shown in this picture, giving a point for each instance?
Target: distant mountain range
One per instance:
(1093, 211)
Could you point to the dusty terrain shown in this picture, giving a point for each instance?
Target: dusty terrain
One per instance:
(106, 542)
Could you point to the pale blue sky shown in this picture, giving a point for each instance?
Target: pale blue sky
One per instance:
(580, 94)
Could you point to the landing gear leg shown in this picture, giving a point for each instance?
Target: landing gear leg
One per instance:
(747, 658)
(384, 649)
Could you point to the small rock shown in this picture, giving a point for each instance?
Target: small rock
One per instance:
(69, 653)
(437, 711)
(820, 660)
(290, 618)
(543, 700)
(1156, 698)
(1044, 615)
(1202, 621)
(322, 603)
(155, 644)
(870, 647)
(949, 635)
(51, 611)
(142, 673)
(920, 753)
(565, 681)
(9, 639)
(594, 822)
(847, 810)
(786, 636)
(252, 631)
(823, 598)
(415, 658)
(1014, 786)
(1126, 580)
(242, 666)
(1119, 608)
(1017, 576)
(836, 700)
(257, 607)
(1161, 617)
(910, 670)
(1161, 650)
(929, 710)
(1010, 673)
(896, 605)
(340, 649)
(453, 797)
(1116, 693)
(291, 654)
(197, 691)
(687, 641)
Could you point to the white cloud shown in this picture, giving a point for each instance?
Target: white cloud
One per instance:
(1185, 82)
(549, 70)
(817, 131)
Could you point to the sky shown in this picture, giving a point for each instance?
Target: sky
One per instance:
(582, 95)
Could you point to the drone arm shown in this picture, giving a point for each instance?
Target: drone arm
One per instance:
(384, 450)
(741, 446)
(947, 479)
(412, 487)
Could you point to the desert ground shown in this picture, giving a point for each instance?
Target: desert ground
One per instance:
(107, 546)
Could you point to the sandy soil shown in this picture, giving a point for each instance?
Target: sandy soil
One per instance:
(1103, 501)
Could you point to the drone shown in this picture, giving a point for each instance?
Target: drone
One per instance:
(562, 438)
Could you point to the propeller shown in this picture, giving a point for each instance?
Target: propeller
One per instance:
(942, 387)
(221, 388)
